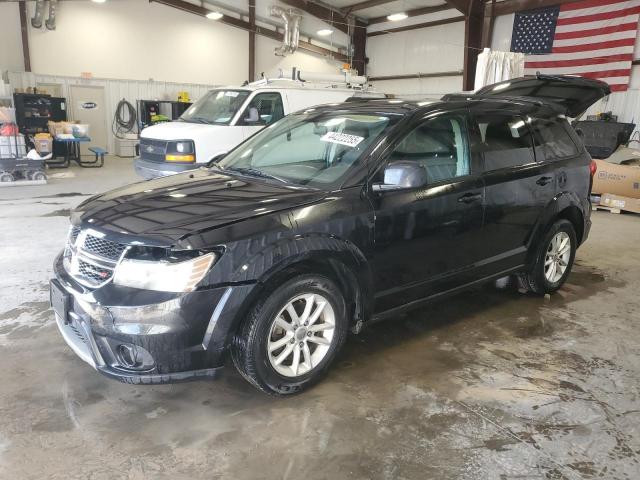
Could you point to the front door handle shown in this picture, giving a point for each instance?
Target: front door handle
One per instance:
(544, 180)
(470, 197)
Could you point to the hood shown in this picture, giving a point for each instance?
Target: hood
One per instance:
(180, 130)
(165, 210)
(573, 94)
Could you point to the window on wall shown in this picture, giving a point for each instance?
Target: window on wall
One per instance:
(439, 145)
(552, 140)
(505, 141)
(264, 109)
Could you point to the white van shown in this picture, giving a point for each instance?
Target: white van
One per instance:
(225, 117)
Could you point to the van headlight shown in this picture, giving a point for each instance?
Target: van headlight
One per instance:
(163, 275)
(180, 151)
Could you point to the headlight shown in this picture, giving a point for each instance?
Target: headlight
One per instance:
(181, 151)
(163, 276)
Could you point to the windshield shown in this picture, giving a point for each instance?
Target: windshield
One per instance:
(217, 107)
(310, 148)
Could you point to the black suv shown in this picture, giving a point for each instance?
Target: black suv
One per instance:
(328, 219)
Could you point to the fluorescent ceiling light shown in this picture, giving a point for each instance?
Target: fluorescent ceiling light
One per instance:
(214, 15)
(394, 17)
(324, 32)
(98, 1)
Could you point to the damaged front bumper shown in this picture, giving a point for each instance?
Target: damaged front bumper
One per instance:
(143, 337)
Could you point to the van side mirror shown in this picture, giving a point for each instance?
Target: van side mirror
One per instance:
(401, 175)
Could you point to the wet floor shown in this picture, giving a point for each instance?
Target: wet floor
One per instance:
(488, 384)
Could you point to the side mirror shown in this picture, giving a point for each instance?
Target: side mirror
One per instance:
(401, 175)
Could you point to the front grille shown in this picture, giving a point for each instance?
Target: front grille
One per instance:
(153, 150)
(102, 247)
(91, 259)
(78, 333)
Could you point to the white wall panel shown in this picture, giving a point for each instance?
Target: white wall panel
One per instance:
(269, 63)
(140, 40)
(420, 88)
(10, 37)
(425, 50)
(115, 90)
(501, 37)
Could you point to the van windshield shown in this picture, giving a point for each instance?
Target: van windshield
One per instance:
(314, 149)
(217, 107)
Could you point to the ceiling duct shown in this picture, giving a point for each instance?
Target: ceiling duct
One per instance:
(51, 21)
(291, 38)
(36, 21)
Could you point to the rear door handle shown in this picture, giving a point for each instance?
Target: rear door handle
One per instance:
(544, 180)
(469, 197)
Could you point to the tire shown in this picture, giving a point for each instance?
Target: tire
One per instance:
(540, 278)
(38, 175)
(6, 177)
(264, 328)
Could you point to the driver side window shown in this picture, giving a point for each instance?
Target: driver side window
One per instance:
(264, 109)
(439, 145)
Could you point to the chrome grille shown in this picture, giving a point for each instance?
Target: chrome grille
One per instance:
(90, 258)
(153, 150)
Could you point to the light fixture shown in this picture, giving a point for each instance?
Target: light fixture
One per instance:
(98, 1)
(214, 15)
(324, 32)
(394, 17)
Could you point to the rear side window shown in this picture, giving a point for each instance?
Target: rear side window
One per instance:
(552, 140)
(264, 109)
(505, 141)
(439, 145)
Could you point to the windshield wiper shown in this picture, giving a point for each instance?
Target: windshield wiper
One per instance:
(254, 172)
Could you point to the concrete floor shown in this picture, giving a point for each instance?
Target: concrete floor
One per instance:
(488, 384)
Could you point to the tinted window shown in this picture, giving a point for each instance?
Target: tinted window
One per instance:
(439, 145)
(264, 109)
(505, 141)
(552, 139)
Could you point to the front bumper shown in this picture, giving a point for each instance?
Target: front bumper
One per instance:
(148, 169)
(173, 337)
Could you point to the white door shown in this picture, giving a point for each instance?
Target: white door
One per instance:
(263, 109)
(87, 105)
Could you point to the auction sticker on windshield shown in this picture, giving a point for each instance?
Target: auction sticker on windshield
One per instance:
(342, 138)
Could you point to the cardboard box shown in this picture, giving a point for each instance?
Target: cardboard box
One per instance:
(622, 203)
(621, 180)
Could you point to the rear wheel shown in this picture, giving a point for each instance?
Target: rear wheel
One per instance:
(6, 177)
(554, 258)
(291, 335)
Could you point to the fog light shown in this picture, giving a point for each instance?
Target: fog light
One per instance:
(133, 357)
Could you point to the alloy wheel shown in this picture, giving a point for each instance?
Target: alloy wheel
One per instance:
(301, 335)
(557, 257)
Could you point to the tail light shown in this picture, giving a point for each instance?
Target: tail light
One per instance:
(593, 167)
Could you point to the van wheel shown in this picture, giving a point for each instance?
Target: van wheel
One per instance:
(554, 259)
(291, 335)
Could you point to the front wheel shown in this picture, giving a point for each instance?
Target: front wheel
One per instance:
(291, 335)
(554, 258)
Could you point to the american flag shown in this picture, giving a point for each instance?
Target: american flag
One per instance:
(589, 38)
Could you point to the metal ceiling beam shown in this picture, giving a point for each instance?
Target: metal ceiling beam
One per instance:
(238, 23)
(365, 4)
(331, 16)
(414, 13)
(435, 23)
(511, 6)
(463, 6)
(473, 27)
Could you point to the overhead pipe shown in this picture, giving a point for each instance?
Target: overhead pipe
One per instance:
(51, 21)
(36, 20)
(291, 34)
(345, 77)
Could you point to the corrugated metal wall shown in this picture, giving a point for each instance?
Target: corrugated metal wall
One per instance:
(115, 90)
